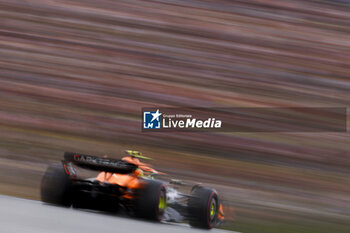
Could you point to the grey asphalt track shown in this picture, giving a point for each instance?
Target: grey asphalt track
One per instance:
(28, 216)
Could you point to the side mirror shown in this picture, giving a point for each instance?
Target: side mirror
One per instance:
(176, 182)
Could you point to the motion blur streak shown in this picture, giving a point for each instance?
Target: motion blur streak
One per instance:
(74, 76)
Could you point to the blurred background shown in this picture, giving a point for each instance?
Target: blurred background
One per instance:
(74, 76)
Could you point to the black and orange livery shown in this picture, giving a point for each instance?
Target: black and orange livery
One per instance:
(130, 185)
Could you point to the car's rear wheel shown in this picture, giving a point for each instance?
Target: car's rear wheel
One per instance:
(151, 203)
(203, 207)
(56, 186)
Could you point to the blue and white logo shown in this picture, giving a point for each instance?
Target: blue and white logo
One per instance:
(151, 120)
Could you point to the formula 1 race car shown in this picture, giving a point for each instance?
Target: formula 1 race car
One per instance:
(130, 185)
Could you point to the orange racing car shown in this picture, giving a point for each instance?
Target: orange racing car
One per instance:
(130, 185)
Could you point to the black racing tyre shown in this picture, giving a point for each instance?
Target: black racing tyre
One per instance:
(151, 203)
(203, 207)
(56, 186)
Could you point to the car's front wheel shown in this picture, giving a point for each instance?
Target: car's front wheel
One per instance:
(203, 207)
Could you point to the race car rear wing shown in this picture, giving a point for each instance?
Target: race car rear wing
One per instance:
(99, 164)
